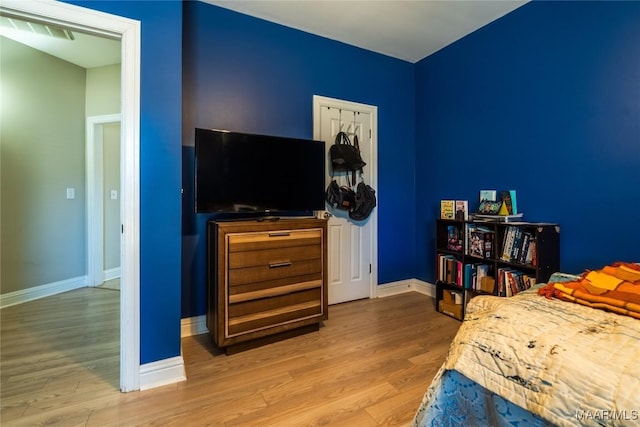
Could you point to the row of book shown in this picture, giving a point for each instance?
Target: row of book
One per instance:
(478, 241)
(468, 276)
(511, 281)
(519, 246)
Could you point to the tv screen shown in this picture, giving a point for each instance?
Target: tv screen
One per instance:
(238, 172)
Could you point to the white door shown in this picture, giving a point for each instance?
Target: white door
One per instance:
(352, 244)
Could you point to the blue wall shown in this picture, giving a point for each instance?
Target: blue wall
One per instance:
(546, 101)
(160, 170)
(250, 75)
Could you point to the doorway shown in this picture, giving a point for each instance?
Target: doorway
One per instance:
(128, 31)
(103, 198)
(352, 245)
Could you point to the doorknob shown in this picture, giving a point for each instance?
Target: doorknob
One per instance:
(327, 215)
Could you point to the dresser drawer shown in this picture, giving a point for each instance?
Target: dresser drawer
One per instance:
(242, 242)
(283, 269)
(265, 256)
(269, 312)
(274, 256)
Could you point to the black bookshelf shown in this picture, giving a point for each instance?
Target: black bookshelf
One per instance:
(513, 255)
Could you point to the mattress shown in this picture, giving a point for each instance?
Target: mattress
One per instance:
(529, 360)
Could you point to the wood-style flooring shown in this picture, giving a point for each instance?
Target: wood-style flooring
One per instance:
(368, 365)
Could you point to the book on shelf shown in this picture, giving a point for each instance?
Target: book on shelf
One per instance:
(507, 243)
(446, 267)
(462, 210)
(489, 195)
(504, 287)
(507, 205)
(514, 281)
(481, 274)
(450, 270)
(532, 253)
(518, 246)
(514, 202)
(447, 209)
(481, 241)
(470, 270)
(454, 238)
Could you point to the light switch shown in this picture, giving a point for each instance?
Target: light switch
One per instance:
(71, 193)
(114, 194)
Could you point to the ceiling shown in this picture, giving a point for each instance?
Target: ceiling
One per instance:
(82, 49)
(408, 30)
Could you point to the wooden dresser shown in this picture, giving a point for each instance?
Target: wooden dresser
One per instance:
(266, 280)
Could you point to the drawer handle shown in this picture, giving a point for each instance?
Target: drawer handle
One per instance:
(280, 264)
(279, 234)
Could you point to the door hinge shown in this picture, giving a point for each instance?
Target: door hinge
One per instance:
(369, 268)
(122, 228)
(369, 133)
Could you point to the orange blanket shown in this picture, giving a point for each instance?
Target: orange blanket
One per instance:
(615, 288)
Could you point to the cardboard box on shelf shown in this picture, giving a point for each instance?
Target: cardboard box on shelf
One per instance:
(487, 284)
(454, 310)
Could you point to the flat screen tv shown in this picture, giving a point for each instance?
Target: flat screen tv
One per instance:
(240, 172)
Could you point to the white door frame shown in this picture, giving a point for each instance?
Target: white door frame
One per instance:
(128, 31)
(320, 102)
(95, 196)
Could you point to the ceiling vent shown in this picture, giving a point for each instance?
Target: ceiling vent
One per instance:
(36, 28)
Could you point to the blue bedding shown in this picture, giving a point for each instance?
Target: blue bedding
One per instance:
(458, 401)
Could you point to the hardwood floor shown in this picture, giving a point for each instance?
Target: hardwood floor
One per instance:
(368, 365)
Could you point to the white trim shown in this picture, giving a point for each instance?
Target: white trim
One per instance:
(426, 288)
(128, 31)
(42, 291)
(404, 286)
(112, 273)
(95, 195)
(130, 210)
(372, 176)
(162, 372)
(193, 326)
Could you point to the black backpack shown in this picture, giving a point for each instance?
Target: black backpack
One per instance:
(340, 197)
(344, 155)
(365, 201)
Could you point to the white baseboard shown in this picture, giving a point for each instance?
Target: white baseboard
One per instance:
(402, 286)
(193, 326)
(112, 273)
(162, 372)
(37, 292)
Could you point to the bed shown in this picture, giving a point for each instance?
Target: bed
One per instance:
(535, 361)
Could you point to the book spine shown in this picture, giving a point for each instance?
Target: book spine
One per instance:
(507, 244)
(449, 277)
(525, 247)
(512, 282)
(488, 244)
(517, 244)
